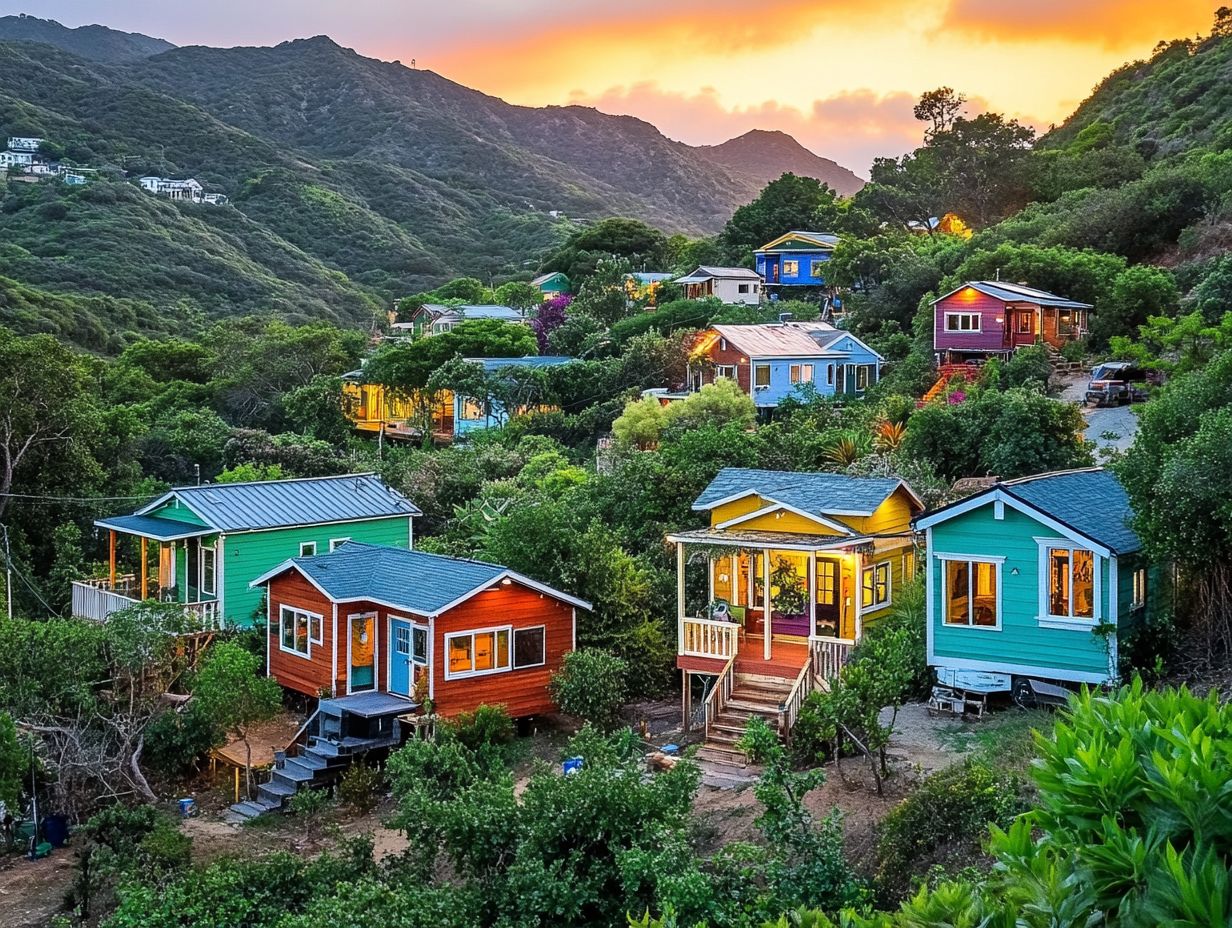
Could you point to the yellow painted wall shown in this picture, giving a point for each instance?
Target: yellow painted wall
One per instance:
(733, 510)
(784, 521)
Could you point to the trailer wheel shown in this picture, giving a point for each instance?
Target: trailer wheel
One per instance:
(1022, 694)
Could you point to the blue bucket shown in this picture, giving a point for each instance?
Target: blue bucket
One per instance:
(188, 808)
(571, 765)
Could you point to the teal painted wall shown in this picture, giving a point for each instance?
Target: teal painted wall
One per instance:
(175, 510)
(249, 554)
(1021, 639)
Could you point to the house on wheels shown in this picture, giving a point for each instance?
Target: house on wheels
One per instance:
(202, 546)
(770, 361)
(794, 565)
(985, 318)
(1040, 578)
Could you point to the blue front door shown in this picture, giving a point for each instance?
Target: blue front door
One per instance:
(408, 654)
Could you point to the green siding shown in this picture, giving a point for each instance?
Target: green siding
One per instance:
(1021, 639)
(250, 554)
(177, 511)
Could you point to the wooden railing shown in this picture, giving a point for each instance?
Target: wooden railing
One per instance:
(93, 600)
(828, 655)
(720, 696)
(206, 613)
(805, 683)
(708, 638)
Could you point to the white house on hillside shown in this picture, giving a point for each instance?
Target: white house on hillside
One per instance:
(24, 143)
(10, 158)
(729, 284)
(185, 191)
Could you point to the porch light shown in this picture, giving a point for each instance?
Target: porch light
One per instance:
(506, 582)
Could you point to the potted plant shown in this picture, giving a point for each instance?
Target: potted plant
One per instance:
(788, 598)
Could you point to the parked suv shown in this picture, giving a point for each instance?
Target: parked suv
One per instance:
(1116, 382)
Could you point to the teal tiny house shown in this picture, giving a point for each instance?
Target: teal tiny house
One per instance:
(214, 540)
(1041, 577)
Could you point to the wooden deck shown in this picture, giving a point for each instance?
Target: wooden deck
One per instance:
(787, 658)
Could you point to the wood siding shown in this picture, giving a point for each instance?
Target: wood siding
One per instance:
(991, 336)
(309, 675)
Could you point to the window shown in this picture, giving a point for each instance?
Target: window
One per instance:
(307, 548)
(477, 652)
(862, 373)
(971, 593)
(402, 640)
(335, 543)
(876, 586)
(529, 648)
(299, 630)
(742, 288)
(209, 570)
(1139, 597)
(419, 644)
(725, 372)
(1065, 322)
(791, 267)
(830, 375)
(801, 373)
(761, 375)
(962, 322)
(816, 269)
(1025, 321)
(722, 344)
(1070, 578)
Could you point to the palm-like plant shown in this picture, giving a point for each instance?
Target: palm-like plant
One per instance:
(889, 435)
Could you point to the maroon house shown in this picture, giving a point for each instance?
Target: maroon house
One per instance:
(985, 318)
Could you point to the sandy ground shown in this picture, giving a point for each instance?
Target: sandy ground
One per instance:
(1111, 428)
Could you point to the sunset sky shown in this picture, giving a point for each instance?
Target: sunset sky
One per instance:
(841, 76)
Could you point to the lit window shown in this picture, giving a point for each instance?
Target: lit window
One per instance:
(298, 630)
(962, 322)
(862, 377)
(970, 593)
(801, 373)
(761, 375)
(1139, 597)
(478, 652)
(1071, 583)
(876, 586)
(791, 267)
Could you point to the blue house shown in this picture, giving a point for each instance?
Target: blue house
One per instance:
(1040, 578)
(771, 361)
(797, 259)
(471, 414)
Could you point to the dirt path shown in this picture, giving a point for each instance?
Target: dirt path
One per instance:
(32, 891)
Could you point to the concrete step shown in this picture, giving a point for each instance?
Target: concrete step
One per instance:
(247, 809)
(310, 758)
(293, 769)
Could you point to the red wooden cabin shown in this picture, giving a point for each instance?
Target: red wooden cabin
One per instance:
(985, 318)
(375, 619)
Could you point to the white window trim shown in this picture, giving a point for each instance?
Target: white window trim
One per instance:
(871, 569)
(469, 633)
(725, 372)
(313, 619)
(307, 544)
(335, 542)
(769, 376)
(1138, 594)
(513, 650)
(1069, 622)
(971, 559)
(213, 573)
(978, 317)
(791, 266)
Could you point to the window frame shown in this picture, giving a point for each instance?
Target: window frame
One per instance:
(1139, 594)
(725, 372)
(970, 559)
(335, 543)
(830, 375)
(978, 319)
(800, 372)
(312, 621)
(1045, 617)
(513, 647)
(471, 633)
(212, 573)
(816, 268)
(1026, 323)
(761, 366)
(863, 372)
(791, 266)
(743, 288)
(869, 583)
(307, 544)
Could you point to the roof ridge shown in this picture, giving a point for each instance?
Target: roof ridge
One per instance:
(400, 552)
(1098, 468)
(249, 483)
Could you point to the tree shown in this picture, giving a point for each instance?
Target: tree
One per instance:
(467, 290)
(518, 294)
(642, 423)
(939, 108)
(716, 404)
(235, 696)
(790, 202)
(549, 317)
(14, 761)
(592, 685)
(645, 248)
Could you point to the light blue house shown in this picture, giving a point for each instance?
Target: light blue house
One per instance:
(772, 361)
(796, 259)
(471, 414)
(1037, 578)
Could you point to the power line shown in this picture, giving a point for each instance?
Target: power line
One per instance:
(76, 499)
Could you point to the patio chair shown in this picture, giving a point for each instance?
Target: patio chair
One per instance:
(739, 615)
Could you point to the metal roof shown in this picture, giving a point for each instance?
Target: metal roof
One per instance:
(814, 493)
(649, 277)
(1017, 293)
(786, 339)
(534, 360)
(482, 312)
(1092, 502)
(422, 583)
(155, 528)
(823, 240)
(239, 507)
(708, 272)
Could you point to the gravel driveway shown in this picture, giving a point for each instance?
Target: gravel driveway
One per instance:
(1111, 428)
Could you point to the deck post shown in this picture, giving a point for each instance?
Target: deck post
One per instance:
(812, 593)
(680, 593)
(710, 579)
(765, 603)
(111, 545)
(145, 568)
(686, 700)
(857, 594)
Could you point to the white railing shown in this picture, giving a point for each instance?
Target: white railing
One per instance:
(206, 613)
(720, 696)
(708, 638)
(829, 655)
(805, 683)
(93, 600)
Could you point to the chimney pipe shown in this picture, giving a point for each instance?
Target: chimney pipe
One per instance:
(786, 317)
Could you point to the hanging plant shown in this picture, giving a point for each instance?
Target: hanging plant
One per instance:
(787, 588)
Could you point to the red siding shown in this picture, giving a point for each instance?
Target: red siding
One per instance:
(729, 355)
(303, 674)
(992, 334)
(521, 692)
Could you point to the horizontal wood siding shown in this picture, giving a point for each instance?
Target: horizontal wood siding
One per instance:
(308, 675)
(521, 692)
(728, 356)
(1021, 639)
(992, 336)
(248, 555)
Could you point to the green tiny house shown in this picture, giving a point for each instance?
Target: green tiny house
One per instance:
(213, 540)
(1041, 577)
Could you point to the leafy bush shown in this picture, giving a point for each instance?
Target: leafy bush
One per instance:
(1027, 367)
(486, 727)
(309, 803)
(592, 686)
(361, 787)
(175, 741)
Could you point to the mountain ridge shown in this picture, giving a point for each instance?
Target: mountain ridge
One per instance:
(92, 42)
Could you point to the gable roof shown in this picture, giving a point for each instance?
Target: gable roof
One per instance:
(709, 272)
(787, 339)
(1016, 293)
(425, 584)
(241, 507)
(823, 241)
(470, 311)
(812, 493)
(544, 278)
(1090, 502)
(533, 360)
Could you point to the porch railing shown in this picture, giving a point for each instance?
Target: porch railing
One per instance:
(805, 683)
(708, 638)
(720, 696)
(828, 655)
(93, 599)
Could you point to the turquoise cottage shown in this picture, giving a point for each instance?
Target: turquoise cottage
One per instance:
(202, 546)
(1041, 577)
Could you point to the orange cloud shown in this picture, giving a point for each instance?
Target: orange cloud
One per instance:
(1107, 23)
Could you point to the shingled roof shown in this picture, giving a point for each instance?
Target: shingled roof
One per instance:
(425, 584)
(1092, 502)
(817, 494)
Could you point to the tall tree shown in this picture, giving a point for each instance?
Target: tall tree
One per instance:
(939, 108)
(791, 202)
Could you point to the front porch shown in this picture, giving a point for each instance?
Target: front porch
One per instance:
(175, 562)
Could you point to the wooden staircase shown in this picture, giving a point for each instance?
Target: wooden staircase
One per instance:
(319, 763)
(946, 373)
(751, 695)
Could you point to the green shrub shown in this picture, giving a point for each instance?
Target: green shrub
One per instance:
(309, 803)
(1027, 367)
(592, 686)
(944, 820)
(175, 741)
(486, 727)
(1075, 350)
(361, 787)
